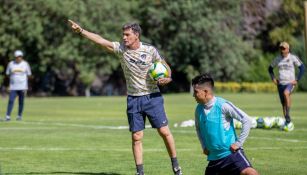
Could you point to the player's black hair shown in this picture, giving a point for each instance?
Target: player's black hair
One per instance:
(135, 27)
(203, 79)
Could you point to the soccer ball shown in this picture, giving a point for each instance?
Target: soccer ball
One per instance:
(279, 122)
(260, 122)
(158, 70)
(237, 124)
(254, 122)
(288, 127)
(268, 122)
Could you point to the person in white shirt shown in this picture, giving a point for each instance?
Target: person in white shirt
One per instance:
(286, 81)
(144, 99)
(18, 70)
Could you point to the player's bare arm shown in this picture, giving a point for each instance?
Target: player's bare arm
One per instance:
(106, 44)
(165, 81)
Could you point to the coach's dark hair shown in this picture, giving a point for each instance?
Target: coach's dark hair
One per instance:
(203, 79)
(135, 27)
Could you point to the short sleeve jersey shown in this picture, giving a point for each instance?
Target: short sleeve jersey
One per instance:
(18, 73)
(286, 67)
(135, 65)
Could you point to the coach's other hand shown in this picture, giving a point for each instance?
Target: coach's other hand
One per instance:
(164, 81)
(294, 82)
(75, 27)
(275, 81)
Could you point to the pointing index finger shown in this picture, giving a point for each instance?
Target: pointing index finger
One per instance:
(71, 22)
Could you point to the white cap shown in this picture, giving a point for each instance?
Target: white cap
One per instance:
(284, 44)
(18, 53)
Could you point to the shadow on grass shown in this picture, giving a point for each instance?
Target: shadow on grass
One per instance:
(80, 173)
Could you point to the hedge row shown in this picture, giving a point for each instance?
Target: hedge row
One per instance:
(245, 87)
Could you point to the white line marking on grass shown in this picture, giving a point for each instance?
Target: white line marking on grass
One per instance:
(301, 129)
(148, 126)
(249, 137)
(83, 149)
(77, 125)
(21, 128)
(253, 137)
(277, 139)
(277, 148)
(80, 125)
(184, 131)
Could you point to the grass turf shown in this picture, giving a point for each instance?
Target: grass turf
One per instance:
(79, 136)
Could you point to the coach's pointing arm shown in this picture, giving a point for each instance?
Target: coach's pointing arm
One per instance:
(106, 44)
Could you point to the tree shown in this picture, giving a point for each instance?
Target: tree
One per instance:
(287, 25)
(40, 29)
(200, 34)
(1, 77)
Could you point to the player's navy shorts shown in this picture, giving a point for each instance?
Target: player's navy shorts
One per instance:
(281, 90)
(232, 164)
(152, 106)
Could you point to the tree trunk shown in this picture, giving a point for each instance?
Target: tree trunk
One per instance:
(88, 91)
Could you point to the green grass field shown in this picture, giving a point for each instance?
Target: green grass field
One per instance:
(81, 136)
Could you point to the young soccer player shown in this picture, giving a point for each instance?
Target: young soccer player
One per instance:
(144, 99)
(18, 70)
(214, 125)
(286, 82)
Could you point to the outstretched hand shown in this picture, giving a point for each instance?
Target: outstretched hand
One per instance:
(75, 27)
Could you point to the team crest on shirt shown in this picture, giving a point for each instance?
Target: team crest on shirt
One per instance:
(143, 56)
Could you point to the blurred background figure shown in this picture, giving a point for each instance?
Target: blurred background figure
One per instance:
(18, 71)
(286, 81)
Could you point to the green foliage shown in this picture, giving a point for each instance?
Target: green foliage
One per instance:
(40, 29)
(86, 76)
(199, 34)
(1, 76)
(194, 36)
(288, 23)
(227, 87)
(236, 87)
(258, 71)
(299, 50)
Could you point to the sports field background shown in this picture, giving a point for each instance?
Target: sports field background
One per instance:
(82, 136)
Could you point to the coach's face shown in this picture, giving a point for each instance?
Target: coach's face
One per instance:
(130, 38)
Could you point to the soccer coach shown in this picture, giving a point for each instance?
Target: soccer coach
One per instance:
(144, 98)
